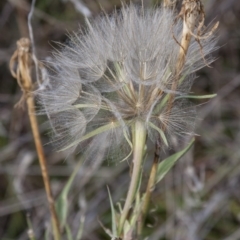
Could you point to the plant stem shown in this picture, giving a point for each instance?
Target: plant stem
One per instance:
(30, 232)
(150, 187)
(43, 165)
(169, 3)
(139, 143)
(190, 13)
(23, 57)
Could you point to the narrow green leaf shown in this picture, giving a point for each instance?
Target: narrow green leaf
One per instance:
(69, 234)
(162, 104)
(47, 234)
(183, 77)
(198, 97)
(126, 227)
(85, 106)
(130, 144)
(169, 162)
(93, 133)
(119, 207)
(136, 211)
(81, 227)
(165, 99)
(160, 132)
(31, 234)
(114, 226)
(91, 106)
(139, 183)
(107, 231)
(80, 106)
(62, 201)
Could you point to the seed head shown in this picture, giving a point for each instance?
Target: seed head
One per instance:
(119, 71)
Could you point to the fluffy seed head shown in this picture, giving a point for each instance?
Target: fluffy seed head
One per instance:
(121, 69)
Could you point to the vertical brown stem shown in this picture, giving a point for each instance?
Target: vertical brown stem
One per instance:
(23, 58)
(43, 165)
(190, 12)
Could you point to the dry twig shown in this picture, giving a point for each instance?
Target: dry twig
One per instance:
(22, 57)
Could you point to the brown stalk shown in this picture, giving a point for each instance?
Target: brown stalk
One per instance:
(169, 3)
(22, 57)
(193, 16)
(192, 13)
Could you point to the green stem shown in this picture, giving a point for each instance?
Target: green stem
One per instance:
(150, 188)
(138, 149)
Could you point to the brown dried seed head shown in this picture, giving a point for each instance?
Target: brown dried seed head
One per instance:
(193, 15)
(23, 45)
(169, 3)
(192, 9)
(20, 64)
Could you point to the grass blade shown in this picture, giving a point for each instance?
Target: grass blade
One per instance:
(62, 201)
(114, 226)
(93, 133)
(69, 234)
(160, 132)
(81, 227)
(169, 162)
(198, 97)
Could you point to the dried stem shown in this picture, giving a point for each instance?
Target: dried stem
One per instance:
(191, 12)
(22, 57)
(139, 143)
(169, 3)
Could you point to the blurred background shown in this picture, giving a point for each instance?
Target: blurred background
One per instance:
(199, 199)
